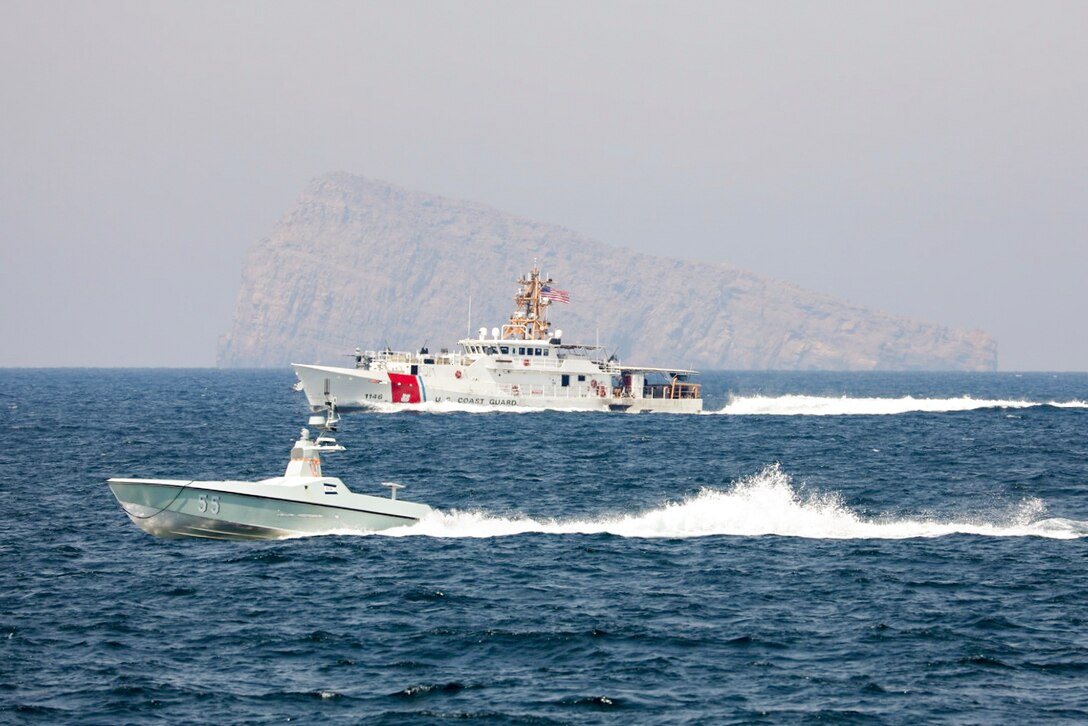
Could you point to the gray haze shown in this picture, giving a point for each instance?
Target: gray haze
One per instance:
(925, 159)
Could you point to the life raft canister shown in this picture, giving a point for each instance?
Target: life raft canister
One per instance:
(525, 362)
(457, 374)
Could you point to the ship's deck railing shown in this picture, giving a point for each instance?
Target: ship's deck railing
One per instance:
(553, 362)
(675, 389)
(381, 360)
(667, 391)
(517, 390)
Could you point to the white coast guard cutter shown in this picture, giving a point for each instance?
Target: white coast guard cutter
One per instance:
(522, 364)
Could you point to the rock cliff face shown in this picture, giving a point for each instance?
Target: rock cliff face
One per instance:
(362, 263)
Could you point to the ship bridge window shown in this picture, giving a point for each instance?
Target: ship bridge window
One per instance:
(521, 351)
(546, 351)
(539, 352)
(505, 349)
(581, 379)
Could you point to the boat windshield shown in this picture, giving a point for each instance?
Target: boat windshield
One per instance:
(510, 348)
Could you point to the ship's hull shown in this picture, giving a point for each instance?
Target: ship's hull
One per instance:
(255, 510)
(494, 387)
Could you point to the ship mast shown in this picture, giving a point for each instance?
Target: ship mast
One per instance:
(530, 318)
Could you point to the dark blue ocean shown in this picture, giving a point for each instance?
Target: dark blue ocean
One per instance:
(820, 548)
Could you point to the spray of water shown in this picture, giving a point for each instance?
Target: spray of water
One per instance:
(799, 405)
(766, 503)
(788, 405)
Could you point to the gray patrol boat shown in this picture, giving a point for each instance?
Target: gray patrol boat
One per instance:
(301, 502)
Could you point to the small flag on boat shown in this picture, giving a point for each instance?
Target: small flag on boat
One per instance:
(551, 293)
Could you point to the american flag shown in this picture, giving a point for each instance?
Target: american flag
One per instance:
(552, 293)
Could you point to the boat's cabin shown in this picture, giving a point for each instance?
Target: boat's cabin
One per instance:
(521, 348)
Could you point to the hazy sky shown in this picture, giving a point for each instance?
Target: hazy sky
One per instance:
(928, 159)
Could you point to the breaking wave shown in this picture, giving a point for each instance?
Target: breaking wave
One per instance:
(801, 405)
(766, 503)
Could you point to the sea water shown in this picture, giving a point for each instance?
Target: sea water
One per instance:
(814, 548)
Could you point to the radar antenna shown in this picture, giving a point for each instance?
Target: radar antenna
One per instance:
(530, 318)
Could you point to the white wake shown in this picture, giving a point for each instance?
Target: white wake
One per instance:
(766, 503)
(787, 405)
(801, 405)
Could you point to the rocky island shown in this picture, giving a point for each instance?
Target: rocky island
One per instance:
(361, 263)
